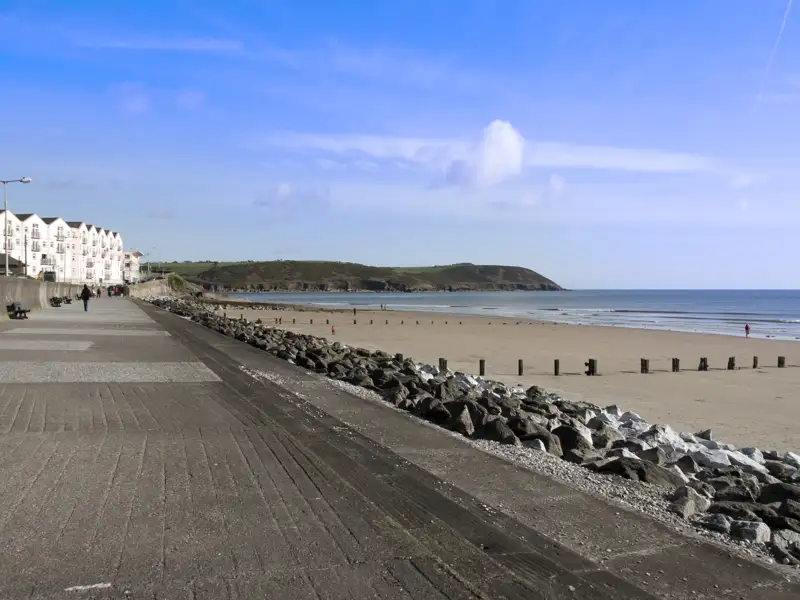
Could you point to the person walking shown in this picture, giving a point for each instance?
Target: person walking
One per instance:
(747, 330)
(85, 295)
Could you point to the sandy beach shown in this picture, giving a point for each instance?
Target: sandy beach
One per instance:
(745, 407)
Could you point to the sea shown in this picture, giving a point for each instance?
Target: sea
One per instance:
(770, 313)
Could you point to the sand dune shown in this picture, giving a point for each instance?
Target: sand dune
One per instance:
(745, 407)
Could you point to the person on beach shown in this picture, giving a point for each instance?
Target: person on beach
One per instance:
(747, 330)
(354, 311)
(85, 295)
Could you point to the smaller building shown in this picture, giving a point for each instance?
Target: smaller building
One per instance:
(130, 272)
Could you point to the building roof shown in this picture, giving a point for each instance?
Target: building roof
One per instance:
(49, 220)
(24, 216)
(75, 223)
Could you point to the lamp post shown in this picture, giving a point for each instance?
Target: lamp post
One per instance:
(5, 183)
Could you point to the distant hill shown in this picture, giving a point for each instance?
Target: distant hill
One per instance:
(293, 275)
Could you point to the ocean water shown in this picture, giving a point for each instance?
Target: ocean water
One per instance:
(770, 313)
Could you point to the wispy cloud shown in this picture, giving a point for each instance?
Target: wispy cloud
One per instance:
(288, 197)
(156, 44)
(775, 47)
(500, 153)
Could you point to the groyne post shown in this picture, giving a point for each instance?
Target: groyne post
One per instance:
(644, 366)
(755, 362)
(731, 363)
(519, 367)
(482, 367)
(781, 362)
(703, 364)
(676, 365)
(398, 357)
(591, 367)
(556, 367)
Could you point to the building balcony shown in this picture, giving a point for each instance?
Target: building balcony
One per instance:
(89, 263)
(89, 274)
(60, 237)
(48, 260)
(35, 234)
(35, 247)
(61, 249)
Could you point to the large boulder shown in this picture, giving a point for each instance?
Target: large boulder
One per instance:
(638, 470)
(551, 442)
(779, 492)
(498, 431)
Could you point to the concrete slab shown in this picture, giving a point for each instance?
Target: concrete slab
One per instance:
(44, 345)
(86, 332)
(104, 372)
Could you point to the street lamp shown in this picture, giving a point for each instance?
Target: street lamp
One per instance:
(5, 183)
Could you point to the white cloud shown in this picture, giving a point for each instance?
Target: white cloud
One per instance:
(287, 196)
(502, 153)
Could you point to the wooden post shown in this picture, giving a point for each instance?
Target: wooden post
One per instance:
(431, 322)
(417, 322)
(398, 357)
(676, 365)
(311, 321)
(591, 367)
(781, 362)
(327, 322)
(644, 366)
(370, 321)
(755, 362)
(731, 363)
(703, 364)
(556, 367)
(482, 367)
(401, 322)
(519, 367)
(442, 364)
(293, 321)
(387, 321)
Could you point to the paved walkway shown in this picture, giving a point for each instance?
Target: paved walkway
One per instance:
(138, 461)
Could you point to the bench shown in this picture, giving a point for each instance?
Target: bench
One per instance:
(15, 311)
(67, 300)
(55, 301)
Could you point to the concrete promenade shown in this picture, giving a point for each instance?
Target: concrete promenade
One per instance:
(137, 460)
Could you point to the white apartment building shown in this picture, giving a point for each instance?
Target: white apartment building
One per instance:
(74, 251)
(131, 266)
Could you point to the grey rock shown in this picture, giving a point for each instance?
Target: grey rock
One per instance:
(551, 442)
(715, 522)
(604, 436)
(751, 531)
(498, 431)
(572, 439)
(687, 464)
(654, 455)
(638, 470)
(462, 423)
(686, 502)
(534, 444)
(778, 492)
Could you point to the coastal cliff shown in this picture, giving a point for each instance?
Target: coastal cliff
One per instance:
(329, 276)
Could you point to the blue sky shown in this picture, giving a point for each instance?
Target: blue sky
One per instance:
(648, 144)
